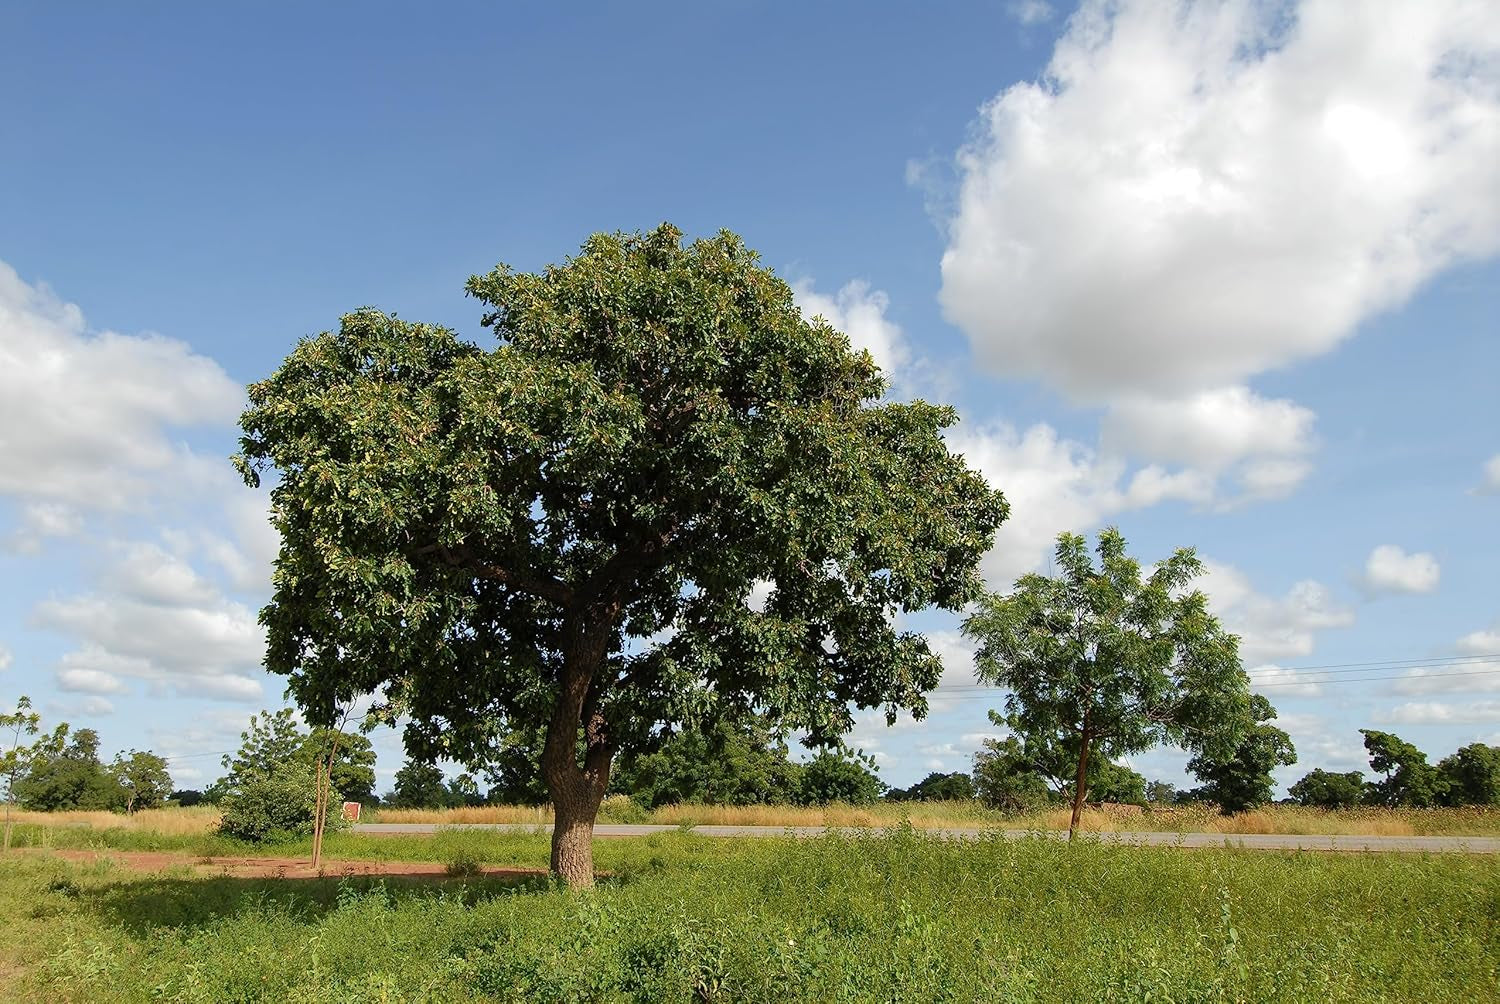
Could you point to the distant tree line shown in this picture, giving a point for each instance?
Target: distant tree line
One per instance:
(61, 770)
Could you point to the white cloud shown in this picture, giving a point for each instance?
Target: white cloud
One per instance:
(85, 418)
(1271, 628)
(40, 520)
(1389, 569)
(81, 679)
(5, 658)
(1277, 682)
(1030, 12)
(1438, 713)
(1265, 443)
(1197, 193)
(859, 312)
(1320, 745)
(1450, 678)
(1490, 484)
(1481, 642)
(1056, 484)
(157, 619)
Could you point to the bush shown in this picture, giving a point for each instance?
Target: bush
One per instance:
(277, 805)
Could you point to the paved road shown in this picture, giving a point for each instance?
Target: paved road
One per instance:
(1261, 841)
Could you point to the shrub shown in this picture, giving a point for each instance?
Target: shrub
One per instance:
(276, 805)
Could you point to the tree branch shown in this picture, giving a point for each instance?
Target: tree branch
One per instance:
(544, 586)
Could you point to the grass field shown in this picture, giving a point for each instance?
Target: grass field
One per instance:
(867, 917)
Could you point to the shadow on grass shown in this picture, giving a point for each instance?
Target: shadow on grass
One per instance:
(143, 905)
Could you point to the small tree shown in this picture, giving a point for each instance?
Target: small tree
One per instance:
(420, 786)
(1161, 793)
(1409, 779)
(1243, 780)
(1326, 790)
(1100, 661)
(144, 778)
(838, 777)
(17, 760)
(1471, 775)
(563, 532)
(276, 786)
(1005, 777)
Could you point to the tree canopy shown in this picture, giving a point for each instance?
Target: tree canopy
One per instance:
(563, 532)
(1243, 779)
(1100, 660)
(1409, 780)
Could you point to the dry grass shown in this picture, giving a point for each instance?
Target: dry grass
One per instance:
(173, 821)
(1471, 822)
(472, 814)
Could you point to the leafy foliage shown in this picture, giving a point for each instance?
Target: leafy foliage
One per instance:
(144, 779)
(66, 774)
(499, 540)
(837, 776)
(1243, 781)
(1102, 661)
(1471, 775)
(275, 805)
(269, 792)
(1326, 790)
(732, 762)
(1409, 779)
(420, 786)
(935, 787)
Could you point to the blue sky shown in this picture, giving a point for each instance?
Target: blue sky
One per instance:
(1225, 277)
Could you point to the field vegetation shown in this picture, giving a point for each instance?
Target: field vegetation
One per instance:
(858, 917)
(36, 828)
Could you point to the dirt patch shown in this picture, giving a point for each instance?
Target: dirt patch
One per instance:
(271, 867)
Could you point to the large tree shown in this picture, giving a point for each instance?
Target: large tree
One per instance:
(1243, 779)
(1326, 790)
(563, 532)
(1409, 780)
(1102, 661)
(1472, 775)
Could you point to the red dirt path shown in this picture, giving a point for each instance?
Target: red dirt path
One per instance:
(288, 868)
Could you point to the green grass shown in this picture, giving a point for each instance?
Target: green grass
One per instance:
(872, 917)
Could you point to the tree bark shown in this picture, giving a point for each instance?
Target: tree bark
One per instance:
(578, 789)
(1080, 786)
(573, 838)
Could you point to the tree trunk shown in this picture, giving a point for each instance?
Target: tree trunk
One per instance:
(1080, 786)
(573, 838)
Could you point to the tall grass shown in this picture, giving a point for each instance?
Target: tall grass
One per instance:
(1465, 822)
(878, 916)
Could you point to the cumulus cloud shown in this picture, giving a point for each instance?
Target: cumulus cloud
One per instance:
(5, 658)
(1264, 444)
(859, 312)
(77, 676)
(1270, 627)
(1439, 713)
(1486, 642)
(1056, 484)
(40, 520)
(1321, 744)
(1457, 677)
(1389, 569)
(88, 418)
(157, 619)
(1197, 193)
